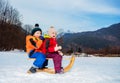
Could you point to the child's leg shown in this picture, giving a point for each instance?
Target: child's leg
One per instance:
(40, 59)
(45, 64)
(57, 59)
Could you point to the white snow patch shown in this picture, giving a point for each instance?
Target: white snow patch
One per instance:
(14, 65)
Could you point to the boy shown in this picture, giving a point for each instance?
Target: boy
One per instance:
(42, 38)
(33, 48)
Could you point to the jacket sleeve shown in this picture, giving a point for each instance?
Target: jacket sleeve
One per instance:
(32, 42)
(39, 43)
(52, 46)
(29, 45)
(51, 49)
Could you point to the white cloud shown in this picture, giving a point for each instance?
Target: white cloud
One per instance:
(93, 6)
(63, 13)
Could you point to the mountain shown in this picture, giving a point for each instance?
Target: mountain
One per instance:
(104, 37)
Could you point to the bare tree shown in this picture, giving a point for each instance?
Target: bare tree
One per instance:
(12, 36)
(8, 14)
(27, 28)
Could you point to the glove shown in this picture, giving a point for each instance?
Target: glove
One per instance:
(42, 38)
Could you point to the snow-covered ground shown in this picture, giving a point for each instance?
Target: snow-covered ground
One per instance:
(14, 64)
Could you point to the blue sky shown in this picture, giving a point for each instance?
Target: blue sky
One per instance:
(73, 15)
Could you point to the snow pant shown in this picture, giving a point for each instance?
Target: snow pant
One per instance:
(57, 60)
(45, 63)
(39, 59)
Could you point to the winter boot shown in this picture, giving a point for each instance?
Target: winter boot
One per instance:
(61, 71)
(32, 70)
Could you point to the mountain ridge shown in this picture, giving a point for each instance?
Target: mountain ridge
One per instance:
(101, 38)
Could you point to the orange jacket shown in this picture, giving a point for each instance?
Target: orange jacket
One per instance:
(29, 45)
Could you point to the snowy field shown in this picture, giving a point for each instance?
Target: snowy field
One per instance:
(14, 64)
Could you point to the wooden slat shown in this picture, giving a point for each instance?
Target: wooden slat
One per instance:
(50, 58)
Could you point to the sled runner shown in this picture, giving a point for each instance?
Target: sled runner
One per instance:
(52, 71)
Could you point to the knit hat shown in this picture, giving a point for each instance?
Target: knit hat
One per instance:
(35, 29)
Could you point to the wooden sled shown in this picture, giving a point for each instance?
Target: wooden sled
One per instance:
(52, 71)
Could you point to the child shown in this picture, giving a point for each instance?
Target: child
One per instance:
(42, 38)
(37, 26)
(52, 50)
(33, 48)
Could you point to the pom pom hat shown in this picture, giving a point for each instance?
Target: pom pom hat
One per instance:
(35, 29)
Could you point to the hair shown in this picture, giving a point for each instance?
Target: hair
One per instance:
(51, 29)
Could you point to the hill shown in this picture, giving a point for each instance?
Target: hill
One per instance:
(102, 38)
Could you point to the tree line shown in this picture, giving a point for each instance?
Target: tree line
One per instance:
(12, 36)
(76, 49)
(107, 51)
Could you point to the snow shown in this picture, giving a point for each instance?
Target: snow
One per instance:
(14, 65)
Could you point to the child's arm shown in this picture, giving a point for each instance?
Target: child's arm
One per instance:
(57, 48)
(32, 42)
(54, 49)
(60, 53)
(36, 44)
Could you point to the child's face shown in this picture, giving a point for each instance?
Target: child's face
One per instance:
(53, 34)
(37, 34)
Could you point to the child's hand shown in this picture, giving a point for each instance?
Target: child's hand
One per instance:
(60, 47)
(57, 48)
(60, 53)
